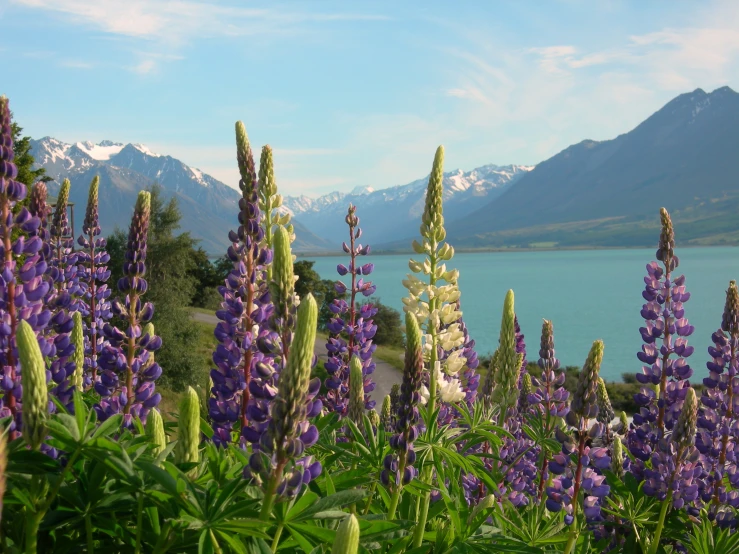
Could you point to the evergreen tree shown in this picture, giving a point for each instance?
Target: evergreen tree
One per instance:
(24, 159)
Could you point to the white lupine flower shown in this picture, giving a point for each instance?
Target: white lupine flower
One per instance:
(455, 362)
(426, 267)
(420, 248)
(451, 391)
(415, 267)
(425, 395)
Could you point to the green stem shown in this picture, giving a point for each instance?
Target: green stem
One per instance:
(666, 503)
(88, 532)
(276, 540)
(399, 488)
(369, 498)
(422, 515)
(216, 547)
(32, 524)
(269, 496)
(139, 522)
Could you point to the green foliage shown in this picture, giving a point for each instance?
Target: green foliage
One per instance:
(24, 160)
(169, 267)
(208, 276)
(389, 328)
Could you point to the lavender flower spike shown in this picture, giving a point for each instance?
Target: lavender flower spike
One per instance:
(351, 330)
(289, 432)
(23, 286)
(399, 468)
(665, 372)
(719, 414)
(93, 274)
(125, 358)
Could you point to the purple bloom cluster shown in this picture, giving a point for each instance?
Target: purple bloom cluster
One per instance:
(126, 383)
(583, 476)
(62, 297)
(718, 419)
(94, 303)
(665, 365)
(22, 283)
(358, 328)
(245, 305)
(398, 465)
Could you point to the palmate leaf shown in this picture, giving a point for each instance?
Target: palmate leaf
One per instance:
(707, 538)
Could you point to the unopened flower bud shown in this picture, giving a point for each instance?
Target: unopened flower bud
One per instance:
(347, 536)
(188, 437)
(33, 377)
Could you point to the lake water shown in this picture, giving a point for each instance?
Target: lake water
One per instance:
(588, 295)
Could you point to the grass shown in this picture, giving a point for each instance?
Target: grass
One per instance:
(205, 311)
(203, 350)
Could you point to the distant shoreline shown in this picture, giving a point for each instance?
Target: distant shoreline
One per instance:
(485, 250)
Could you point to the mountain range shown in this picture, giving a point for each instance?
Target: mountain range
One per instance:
(594, 193)
(209, 207)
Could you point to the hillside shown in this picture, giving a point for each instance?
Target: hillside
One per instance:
(608, 193)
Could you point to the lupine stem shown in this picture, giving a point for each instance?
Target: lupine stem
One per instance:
(10, 294)
(139, 522)
(93, 319)
(575, 500)
(398, 489)
(269, 496)
(88, 534)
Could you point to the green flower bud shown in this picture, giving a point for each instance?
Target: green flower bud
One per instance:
(386, 413)
(155, 431)
(347, 536)
(188, 436)
(684, 433)
(267, 185)
(282, 286)
(617, 457)
(92, 194)
(374, 418)
(605, 410)
(585, 400)
(432, 225)
(143, 204)
(488, 384)
(527, 388)
(245, 159)
(356, 391)
(484, 504)
(78, 357)
(623, 422)
(505, 393)
(33, 377)
(666, 250)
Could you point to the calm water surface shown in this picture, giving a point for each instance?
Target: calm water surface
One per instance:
(588, 295)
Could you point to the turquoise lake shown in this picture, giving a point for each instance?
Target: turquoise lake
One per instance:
(588, 295)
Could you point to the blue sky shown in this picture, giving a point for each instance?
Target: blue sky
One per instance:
(357, 93)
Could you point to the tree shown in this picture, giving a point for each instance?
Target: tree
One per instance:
(389, 328)
(170, 263)
(24, 159)
(208, 277)
(309, 281)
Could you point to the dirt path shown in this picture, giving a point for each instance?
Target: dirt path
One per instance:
(385, 375)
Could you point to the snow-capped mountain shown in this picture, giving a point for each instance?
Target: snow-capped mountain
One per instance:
(392, 213)
(209, 207)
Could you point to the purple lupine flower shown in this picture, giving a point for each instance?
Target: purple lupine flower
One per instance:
(22, 284)
(278, 460)
(398, 465)
(62, 297)
(549, 397)
(582, 475)
(244, 305)
(675, 462)
(126, 383)
(719, 414)
(665, 365)
(351, 332)
(94, 303)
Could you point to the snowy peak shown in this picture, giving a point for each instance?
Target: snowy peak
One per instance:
(101, 151)
(390, 213)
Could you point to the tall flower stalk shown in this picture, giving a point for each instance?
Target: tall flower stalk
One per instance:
(719, 414)
(666, 371)
(508, 369)
(289, 433)
(357, 326)
(243, 307)
(398, 465)
(23, 286)
(94, 273)
(127, 384)
(269, 203)
(564, 492)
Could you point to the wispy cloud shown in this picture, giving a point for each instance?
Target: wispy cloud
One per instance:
(179, 20)
(76, 64)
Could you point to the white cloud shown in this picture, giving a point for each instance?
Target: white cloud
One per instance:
(178, 21)
(144, 67)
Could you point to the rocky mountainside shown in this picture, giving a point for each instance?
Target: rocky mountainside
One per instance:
(209, 207)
